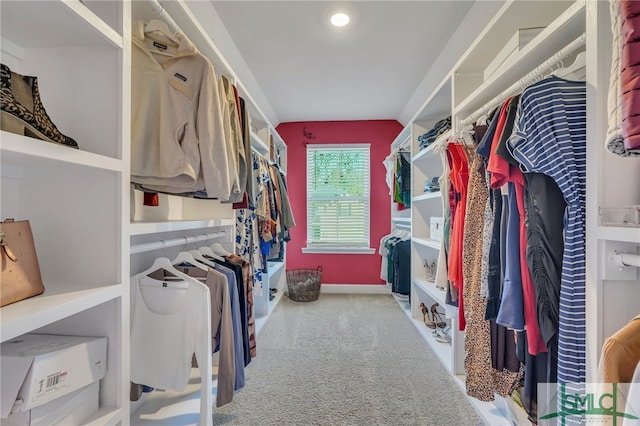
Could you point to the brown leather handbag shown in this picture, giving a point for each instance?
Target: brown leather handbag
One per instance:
(20, 277)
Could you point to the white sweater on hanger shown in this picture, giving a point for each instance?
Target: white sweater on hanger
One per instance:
(178, 142)
(171, 321)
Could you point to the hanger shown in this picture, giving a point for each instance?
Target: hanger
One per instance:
(200, 258)
(219, 250)
(156, 25)
(187, 257)
(165, 263)
(576, 70)
(206, 251)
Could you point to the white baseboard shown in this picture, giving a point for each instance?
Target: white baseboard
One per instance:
(355, 288)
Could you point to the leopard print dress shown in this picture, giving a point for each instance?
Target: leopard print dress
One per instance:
(482, 381)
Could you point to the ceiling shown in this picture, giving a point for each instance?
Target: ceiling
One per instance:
(311, 71)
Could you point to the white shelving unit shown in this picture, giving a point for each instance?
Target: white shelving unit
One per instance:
(427, 164)
(178, 217)
(76, 200)
(613, 293)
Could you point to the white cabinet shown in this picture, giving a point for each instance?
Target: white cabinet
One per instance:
(76, 200)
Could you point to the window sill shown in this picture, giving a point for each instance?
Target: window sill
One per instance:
(338, 250)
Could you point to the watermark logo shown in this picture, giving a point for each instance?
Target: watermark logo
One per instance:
(586, 403)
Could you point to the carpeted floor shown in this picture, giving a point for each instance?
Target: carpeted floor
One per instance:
(345, 360)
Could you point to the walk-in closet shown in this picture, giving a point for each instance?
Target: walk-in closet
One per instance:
(189, 186)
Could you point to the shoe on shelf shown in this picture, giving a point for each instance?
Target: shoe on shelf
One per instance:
(273, 290)
(443, 335)
(425, 317)
(430, 270)
(22, 110)
(432, 185)
(437, 318)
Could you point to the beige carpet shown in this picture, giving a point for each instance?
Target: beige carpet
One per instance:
(345, 360)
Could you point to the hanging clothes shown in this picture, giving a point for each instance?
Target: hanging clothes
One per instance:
(511, 311)
(170, 322)
(459, 176)
(247, 276)
(401, 259)
(238, 342)
(234, 136)
(242, 302)
(248, 243)
(621, 354)
(629, 75)
(479, 356)
(177, 138)
(550, 138)
(385, 250)
(221, 328)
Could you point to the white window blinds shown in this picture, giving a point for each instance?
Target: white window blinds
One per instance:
(338, 182)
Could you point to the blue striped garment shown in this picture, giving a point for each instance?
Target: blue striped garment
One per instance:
(550, 137)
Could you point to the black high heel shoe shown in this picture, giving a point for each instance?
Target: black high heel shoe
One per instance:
(425, 317)
(22, 109)
(437, 319)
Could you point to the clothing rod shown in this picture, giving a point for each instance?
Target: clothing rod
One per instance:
(626, 259)
(402, 225)
(533, 76)
(190, 239)
(401, 219)
(162, 14)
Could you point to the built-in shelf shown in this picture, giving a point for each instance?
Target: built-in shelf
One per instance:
(431, 290)
(105, 416)
(426, 242)
(629, 234)
(403, 138)
(440, 349)
(420, 155)
(57, 302)
(144, 228)
(258, 144)
(26, 152)
(46, 20)
(489, 411)
(427, 196)
(401, 219)
(557, 34)
(275, 267)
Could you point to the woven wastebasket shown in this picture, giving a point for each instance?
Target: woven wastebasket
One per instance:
(304, 284)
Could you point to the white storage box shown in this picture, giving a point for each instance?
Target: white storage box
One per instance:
(519, 40)
(436, 228)
(38, 368)
(71, 409)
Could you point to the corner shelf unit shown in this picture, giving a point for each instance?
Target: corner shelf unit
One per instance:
(76, 201)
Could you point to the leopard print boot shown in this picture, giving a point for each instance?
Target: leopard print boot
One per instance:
(22, 109)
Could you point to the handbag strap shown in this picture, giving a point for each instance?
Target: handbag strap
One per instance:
(6, 249)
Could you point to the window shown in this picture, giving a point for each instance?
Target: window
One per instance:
(338, 198)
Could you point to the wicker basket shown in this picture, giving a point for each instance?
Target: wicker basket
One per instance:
(304, 284)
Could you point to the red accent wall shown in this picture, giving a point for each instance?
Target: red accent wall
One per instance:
(338, 268)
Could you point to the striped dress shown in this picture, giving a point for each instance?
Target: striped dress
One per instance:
(550, 138)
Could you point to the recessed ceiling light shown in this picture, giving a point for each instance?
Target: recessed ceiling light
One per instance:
(340, 19)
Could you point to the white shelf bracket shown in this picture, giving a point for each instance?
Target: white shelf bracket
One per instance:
(621, 262)
(625, 259)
